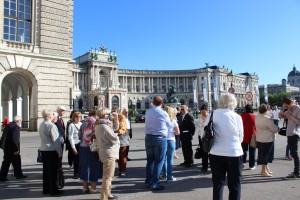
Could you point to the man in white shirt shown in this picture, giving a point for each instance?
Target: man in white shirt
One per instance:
(275, 113)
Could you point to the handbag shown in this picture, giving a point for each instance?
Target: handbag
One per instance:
(209, 134)
(93, 145)
(39, 158)
(253, 141)
(60, 181)
(282, 131)
(198, 153)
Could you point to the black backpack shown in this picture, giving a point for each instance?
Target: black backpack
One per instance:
(209, 134)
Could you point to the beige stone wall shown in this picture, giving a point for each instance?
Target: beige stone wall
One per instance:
(56, 25)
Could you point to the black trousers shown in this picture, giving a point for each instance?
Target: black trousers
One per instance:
(10, 158)
(293, 143)
(220, 166)
(187, 151)
(204, 155)
(50, 167)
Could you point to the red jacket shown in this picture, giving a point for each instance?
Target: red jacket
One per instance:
(249, 126)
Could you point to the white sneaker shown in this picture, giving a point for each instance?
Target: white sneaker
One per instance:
(252, 168)
(172, 179)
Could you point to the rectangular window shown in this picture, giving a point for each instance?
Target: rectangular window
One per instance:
(17, 20)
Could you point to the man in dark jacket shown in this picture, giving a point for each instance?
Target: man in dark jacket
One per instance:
(11, 150)
(187, 130)
(61, 127)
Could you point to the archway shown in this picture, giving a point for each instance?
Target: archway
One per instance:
(19, 97)
(115, 102)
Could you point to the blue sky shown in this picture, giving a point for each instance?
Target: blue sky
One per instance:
(261, 36)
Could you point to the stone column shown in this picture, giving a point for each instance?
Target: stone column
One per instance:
(184, 85)
(19, 106)
(132, 84)
(10, 110)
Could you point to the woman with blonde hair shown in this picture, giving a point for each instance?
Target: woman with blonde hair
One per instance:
(168, 164)
(124, 142)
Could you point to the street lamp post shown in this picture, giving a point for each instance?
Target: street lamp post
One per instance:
(231, 79)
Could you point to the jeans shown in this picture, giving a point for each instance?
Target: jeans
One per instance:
(252, 152)
(156, 148)
(293, 143)
(168, 162)
(220, 165)
(108, 174)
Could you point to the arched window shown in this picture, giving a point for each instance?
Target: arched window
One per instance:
(138, 104)
(80, 104)
(147, 104)
(115, 102)
(96, 101)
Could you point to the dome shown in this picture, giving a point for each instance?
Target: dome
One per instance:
(294, 72)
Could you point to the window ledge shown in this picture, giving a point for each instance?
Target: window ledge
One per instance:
(18, 45)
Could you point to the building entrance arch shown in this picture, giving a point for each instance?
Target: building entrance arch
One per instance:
(19, 97)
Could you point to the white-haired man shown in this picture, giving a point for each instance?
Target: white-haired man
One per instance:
(11, 149)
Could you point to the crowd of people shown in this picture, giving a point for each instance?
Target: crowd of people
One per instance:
(95, 144)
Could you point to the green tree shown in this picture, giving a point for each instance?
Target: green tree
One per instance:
(274, 99)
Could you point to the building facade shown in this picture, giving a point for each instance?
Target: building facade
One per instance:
(98, 81)
(35, 57)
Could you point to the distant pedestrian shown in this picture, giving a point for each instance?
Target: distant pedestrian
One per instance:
(11, 150)
(157, 124)
(187, 131)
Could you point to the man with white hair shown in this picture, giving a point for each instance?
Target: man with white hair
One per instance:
(11, 149)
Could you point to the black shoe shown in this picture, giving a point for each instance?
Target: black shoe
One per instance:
(21, 177)
(113, 197)
(182, 163)
(128, 159)
(157, 188)
(3, 180)
(189, 165)
(203, 169)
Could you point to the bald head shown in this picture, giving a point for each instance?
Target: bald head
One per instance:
(157, 101)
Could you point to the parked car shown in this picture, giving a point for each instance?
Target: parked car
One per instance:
(140, 117)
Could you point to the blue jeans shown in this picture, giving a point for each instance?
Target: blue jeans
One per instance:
(168, 161)
(156, 147)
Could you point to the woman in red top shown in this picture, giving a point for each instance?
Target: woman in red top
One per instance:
(249, 129)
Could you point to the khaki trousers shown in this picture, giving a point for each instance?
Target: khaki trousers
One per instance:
(108, 174)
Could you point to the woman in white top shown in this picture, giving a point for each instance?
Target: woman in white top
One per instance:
(168, 164)
(203, 118)
(73, 131)
(226, 152)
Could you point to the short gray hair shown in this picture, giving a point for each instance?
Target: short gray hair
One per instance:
(17, 118)
(185, 107)
(228, 101)
(47, 114)
(102, 111)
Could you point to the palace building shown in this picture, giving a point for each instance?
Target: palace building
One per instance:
(98, 81)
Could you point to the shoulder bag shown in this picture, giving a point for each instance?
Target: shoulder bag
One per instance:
(198, 153)
(282, 131)
(209, 135)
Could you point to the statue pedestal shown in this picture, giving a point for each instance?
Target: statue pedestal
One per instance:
(173, 105)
